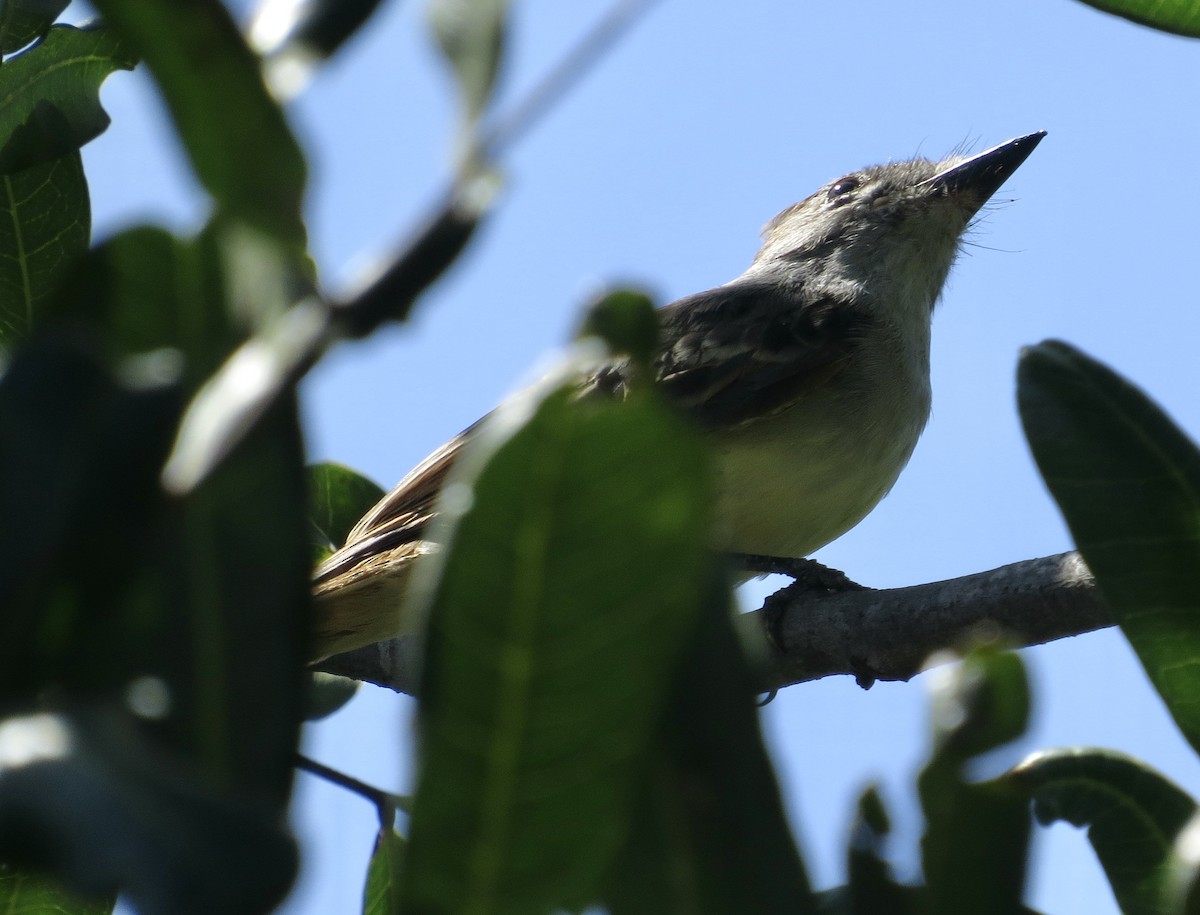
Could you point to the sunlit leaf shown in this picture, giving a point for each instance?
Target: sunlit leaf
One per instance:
(339, 497)
(1179, 16)
(382, 893)
(45, 225)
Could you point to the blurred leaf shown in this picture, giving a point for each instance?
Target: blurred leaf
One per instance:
(1133, 817)
(198, 299)
(327, 694)
(106, 581)
(79, 459)
(22, 21)
(575, 567)
(144, 290)
(234, 132)
(339, 498)
(870, 886)
(708, 834)
(976, 837)
(627, 321)
(86, 796)
(314, 28)
(45, 225)
(51, 94)
(1179, 16)
(382, 893)
(25, 893)
(471, 34)
(238, 568)
(1127, 481)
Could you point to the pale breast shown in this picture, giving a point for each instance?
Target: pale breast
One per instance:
(788, 484)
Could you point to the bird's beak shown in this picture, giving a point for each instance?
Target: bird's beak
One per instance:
(973, 181)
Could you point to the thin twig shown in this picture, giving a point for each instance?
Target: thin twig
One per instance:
(385, 802)
(573, 67)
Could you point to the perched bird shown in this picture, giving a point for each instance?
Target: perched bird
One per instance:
(809, 373)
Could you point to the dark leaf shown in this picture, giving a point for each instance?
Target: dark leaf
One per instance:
(79, 460)
(52, 94)
(22, 21)
(45, 225)
(1127, 481)
(708, 833)
(145, 291)
(1133, 816)
(575, 570)
(26, 893)
(85, 796)
(234, 132)
(976, 837)
(238, 561)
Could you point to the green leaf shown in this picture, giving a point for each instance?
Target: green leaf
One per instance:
(339, 498)
(382, 893)
(1133, 816)
(84, 795)
(627, 321)
(1179, 16)
(25, 893)
(1127, 481)
(22, 21)
(45, 225)
(238, 578)
(575, 566)
(977, 835)
(471, 34)
(107, 582)
(328, 693)
(709, 834)
(51, 94)
(234, 132)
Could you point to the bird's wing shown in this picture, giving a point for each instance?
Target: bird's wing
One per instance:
(739, 352)
(728, 356)
(400, 516)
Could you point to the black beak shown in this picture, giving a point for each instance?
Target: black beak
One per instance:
(974, 180)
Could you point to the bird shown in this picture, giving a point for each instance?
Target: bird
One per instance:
(809, 375)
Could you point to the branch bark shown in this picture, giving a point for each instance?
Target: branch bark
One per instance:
(886, 634)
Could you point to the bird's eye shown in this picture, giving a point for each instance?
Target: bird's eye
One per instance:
(844, 186)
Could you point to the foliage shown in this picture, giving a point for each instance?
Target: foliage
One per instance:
(582, 732)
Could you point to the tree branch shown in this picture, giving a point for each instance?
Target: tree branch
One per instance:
(886, 634)
(890, 634)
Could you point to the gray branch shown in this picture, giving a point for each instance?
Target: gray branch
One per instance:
(886, 634)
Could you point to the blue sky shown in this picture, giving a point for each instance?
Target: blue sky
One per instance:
(660, 169)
